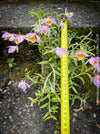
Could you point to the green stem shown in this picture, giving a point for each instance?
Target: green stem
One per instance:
(82, 73)
(82, 65)
(49, 107)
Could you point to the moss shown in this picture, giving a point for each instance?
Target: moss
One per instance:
(82, 31)
(87, 87)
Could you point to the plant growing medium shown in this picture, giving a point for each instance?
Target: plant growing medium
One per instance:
(45, 34)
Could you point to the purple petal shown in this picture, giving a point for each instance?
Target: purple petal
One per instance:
(11, 50)
(6, 34)
(17, 49)
(96, 80)
(53, 50)
(24, 88)
(43, 21)
(48, 31)
(98, 68)
(65, 10)
(12, 38)
(87, 61)
(62, 25)
(38, 38)
(94, 70)
(59, 52)
(53, 20)
(21, 38)
(69, 19)
(29, 34)
(27, 85)
(34, 25)
(64, 50)
(86, 54)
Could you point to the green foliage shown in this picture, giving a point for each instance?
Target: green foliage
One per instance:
(10, 62)
(48, 94)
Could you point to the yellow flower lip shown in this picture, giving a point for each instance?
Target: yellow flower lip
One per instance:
(15, 49)
(49, 22)
(80, 55)
(22, 85)
(44, 31)
(69, 14)
(7, 38)
(36, 28)
(32, 38)
(98, 78)
(95, 63)
(17, 41)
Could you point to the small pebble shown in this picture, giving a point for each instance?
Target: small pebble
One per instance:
(75, 114)
(20, 108)
(24, 110)
(20, 113)
(94, 115)
(83, 131)
(4, 123)
(13, 103)
(1, 89)
(73, 120)
(23, 122)
(11, 118)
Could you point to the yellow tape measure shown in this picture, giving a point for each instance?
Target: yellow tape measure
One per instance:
(65, 121)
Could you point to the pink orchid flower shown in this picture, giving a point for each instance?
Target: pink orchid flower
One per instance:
(18, 38)
(8, 36)
(23, 85)
(96, 80)
(97, 68)
(80, 55)
(68, 15)
(36, 27)
(59, 51)
(12, 49)
(33, 37)
(48, 21)
(45, 30)
(62, 25)
(94, 61)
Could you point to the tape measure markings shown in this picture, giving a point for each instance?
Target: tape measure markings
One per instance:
(65, 127)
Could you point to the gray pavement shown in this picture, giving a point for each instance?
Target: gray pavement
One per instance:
(16, 15)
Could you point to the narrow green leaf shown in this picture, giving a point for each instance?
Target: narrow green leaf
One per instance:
(30, 98)
(33, 102)
(74, 89)
(44, 62)
(44, 98)
(52, 116)
(72, 101)
(75, 61)
(40, 76)
(82, 80)
(54, 100)
(44, 105)
(73, 71)
(73, 83)
(57, 73)
(89, 76)
(45, 116)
